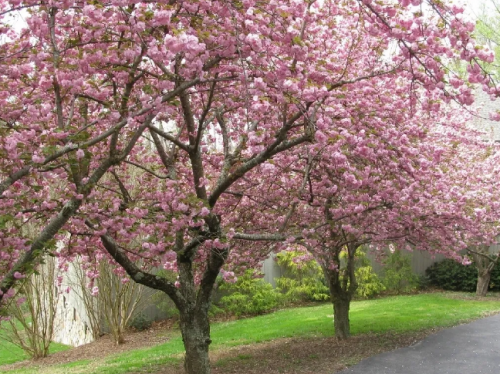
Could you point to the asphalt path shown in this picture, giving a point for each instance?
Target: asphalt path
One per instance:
(473, 348)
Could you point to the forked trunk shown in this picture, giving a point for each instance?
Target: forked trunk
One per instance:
(483, 282)
(485, 263)
(119, 339)
(195, 330)
(341, 300)
(342, 285)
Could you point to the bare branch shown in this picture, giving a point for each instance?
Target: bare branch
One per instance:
(138, 275)
(147, 170)
(170, 138)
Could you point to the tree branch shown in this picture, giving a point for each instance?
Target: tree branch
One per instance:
(170, 138)
(138, 275)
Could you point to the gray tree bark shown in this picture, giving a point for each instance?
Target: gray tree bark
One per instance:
(195, 329)
(483, 282)
(342, 285)
(485, 264)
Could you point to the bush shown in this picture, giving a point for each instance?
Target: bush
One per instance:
(140, 322)
(495, 279)
(453, 276)
(116, 303)
(31, 313)
(369, 284)
(303, 278)
(423, 282)
(249, 295)
(398, 276)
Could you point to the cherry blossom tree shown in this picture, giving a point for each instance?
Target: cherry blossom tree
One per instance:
(486, 32)
(368, 188)
(133, 130)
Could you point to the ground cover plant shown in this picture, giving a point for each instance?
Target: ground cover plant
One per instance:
(395, 316)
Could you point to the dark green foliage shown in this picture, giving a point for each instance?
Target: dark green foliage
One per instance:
(303, 280)
(495, 278)
(249, 295)
(141, 322)
(423, 282)
(451, 275)
(398, 277)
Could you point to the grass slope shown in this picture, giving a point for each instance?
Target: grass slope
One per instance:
(10, 353)
(392, 314)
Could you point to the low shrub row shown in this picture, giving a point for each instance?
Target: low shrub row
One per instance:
(453, 276)
(303, 281)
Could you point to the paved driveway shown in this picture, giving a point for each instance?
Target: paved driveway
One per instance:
(467, 349)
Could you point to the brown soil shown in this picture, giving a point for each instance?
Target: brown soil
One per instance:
(308, 356)
(293, 356)
(303, 356)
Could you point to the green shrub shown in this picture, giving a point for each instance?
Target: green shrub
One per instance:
(307, 289)
(215, 310)
(398, 276)
(303, 280)
(249, 295)
(451, 275)
(495, 279)
(423, 282)
(140, 322)
(369, 284)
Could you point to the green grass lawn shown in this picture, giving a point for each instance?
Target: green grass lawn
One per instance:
(392, 314)
(10, 353)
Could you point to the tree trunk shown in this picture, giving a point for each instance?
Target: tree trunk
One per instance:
(483, 281)
(341, 300)
(341, 325)
(484, 264)
(195, 330)
(342, 285)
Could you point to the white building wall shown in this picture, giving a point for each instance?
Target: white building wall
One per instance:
(71, 325)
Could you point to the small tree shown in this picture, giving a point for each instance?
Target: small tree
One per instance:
(120, 300)
(32, 311)
(111, 301)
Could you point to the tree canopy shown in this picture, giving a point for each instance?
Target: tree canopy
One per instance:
(195, 134)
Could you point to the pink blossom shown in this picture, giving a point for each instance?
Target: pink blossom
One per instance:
(20, 301)
(38, 159)
(80, 154)
(18, 275)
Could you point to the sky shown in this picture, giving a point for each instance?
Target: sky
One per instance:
(474, 7)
